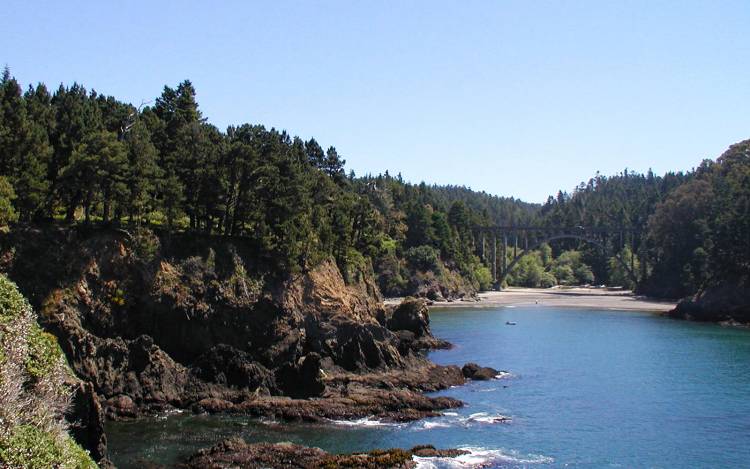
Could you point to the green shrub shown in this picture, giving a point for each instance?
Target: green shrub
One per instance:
(424, 258)
(547, 280)
(355, 263)
(584, 275)
(484, 277)
(570, 258)
(44, 353)
(528, 271)
(33, 393)
(564, 274)
(618, 275)
(146, 244)
(390, 278)
(28, 447)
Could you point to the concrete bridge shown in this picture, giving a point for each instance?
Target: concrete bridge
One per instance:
(507, 238)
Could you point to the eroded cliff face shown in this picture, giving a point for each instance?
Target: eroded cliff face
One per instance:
(159, 323)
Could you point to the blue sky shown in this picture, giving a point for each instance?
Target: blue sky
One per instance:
(515, 98)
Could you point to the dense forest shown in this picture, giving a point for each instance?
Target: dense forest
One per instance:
(75, 156)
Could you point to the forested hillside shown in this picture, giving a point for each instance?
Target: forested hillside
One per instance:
(75, 156)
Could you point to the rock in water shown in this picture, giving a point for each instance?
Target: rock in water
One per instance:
(723, 303)
(478, 373)
(236, 453)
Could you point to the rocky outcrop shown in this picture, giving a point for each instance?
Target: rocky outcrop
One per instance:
(86, 419)
(411, 315)
(225, 365)
(410, 320)
(303, 378)
(729, 303)
(478, 373)
(445, 285)
(156, 323)
(237, 453)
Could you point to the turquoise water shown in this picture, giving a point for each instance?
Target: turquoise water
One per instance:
(586, 388)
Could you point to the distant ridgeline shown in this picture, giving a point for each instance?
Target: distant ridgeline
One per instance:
(75, 156)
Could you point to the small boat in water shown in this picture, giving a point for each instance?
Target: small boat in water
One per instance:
(510, 323)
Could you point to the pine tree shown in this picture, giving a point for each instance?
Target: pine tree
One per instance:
(98, 172)
(7, 196)
(143, 172)
(76, 117)
(24, 149)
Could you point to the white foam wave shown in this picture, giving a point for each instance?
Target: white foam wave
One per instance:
(485, 390)
(484, 417)
(481, 457)
(168, 413)
(365, 422)
(452, 419)
(431, 425)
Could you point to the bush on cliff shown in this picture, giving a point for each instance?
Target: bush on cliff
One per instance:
(33, 393)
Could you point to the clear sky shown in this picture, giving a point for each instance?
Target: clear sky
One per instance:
(515, 98)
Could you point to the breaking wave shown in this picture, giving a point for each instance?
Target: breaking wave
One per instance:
(452, 419)
(482, 457)
(366, 422)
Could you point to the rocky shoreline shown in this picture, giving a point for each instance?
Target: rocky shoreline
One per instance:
(152, 324)
(236, 453)
(724, 304)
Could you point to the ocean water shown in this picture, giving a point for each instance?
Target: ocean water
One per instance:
(582, 388)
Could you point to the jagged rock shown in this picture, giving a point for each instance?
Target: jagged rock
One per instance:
(409, 343)
(86, 418)
(121, 406)
(478, 373)
(226, 365)
(411, 315)
(302, 379)
(212, 405)
(363, 347)
(429, 451)
(236, 452)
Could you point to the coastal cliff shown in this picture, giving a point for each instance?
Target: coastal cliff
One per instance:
(153, 323)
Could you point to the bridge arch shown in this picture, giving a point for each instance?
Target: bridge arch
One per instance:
(555, 237)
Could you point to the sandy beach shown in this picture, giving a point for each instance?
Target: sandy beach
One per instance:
(578, 297)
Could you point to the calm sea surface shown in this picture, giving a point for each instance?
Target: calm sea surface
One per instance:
(586, 388)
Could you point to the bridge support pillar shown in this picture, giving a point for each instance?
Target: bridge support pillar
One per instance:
(483, 258)
(494, 258)
(505, 256)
